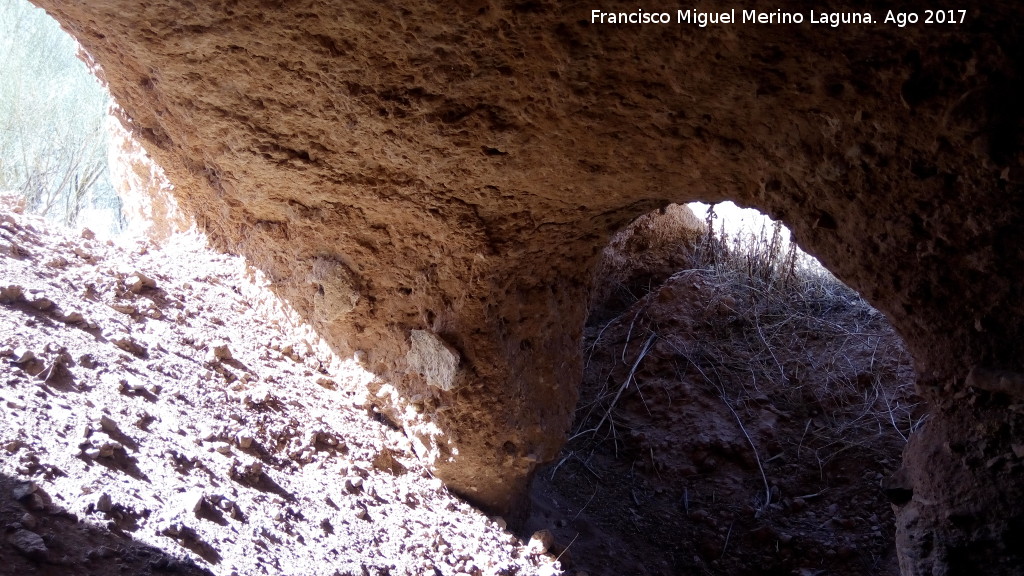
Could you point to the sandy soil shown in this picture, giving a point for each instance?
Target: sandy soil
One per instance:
(162, 412)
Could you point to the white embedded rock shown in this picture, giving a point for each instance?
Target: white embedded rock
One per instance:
(433, 358)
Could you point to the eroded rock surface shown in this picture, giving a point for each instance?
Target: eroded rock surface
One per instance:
(465, 164)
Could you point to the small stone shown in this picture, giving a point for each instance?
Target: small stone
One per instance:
(181, 531)
(124, 308)
(194, 501)
(11, 294)
(353, 484)
(22, 355)
(42, 303)
(104, 503)
(88, 234)
(37, 501)
(108, 424)
(244, 440)
(73, 318)
(219, 351)
(327, 383)
(207, 434)
(541, 541)
(24, 490)
(246, 473)
(29, 544)
(1018, 450)
(131, 346)
(108, 449)
(29, 521)
(434, 358)
(139, 282)
(222, 447)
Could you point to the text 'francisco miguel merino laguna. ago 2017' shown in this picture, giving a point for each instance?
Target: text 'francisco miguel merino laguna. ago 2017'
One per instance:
(834, 19)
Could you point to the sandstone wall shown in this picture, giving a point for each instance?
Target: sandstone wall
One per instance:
(457, 168)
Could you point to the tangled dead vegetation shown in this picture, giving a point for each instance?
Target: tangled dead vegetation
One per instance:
(737, 419)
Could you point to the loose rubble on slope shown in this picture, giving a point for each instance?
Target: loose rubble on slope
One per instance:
(162, 412)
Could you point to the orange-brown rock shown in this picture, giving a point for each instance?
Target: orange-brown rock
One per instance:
(457, 168)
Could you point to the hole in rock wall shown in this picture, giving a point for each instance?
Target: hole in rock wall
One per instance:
(740, 408)
(63, 152)
(53, 134)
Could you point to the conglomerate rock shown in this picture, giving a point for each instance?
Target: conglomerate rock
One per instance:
(461, 165)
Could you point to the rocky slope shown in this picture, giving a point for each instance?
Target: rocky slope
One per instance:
(163, 412)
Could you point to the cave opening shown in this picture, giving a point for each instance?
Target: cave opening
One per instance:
(65, 152)
(741, 409)
(54, 135)
(888, 151)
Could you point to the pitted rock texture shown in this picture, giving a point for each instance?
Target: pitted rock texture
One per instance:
(643, 255)
(467, 163)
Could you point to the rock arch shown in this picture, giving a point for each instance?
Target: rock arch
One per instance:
(457, 169)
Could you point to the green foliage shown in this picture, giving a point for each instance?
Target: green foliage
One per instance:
(53, 141)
